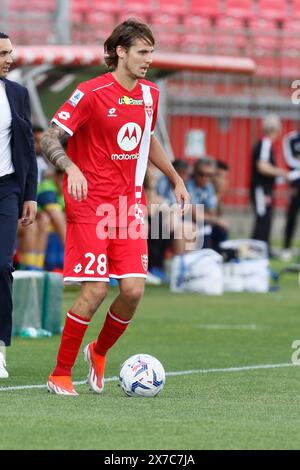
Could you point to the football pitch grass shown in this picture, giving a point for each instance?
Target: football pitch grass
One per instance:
(205, 405)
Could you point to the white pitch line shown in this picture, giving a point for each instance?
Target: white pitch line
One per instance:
(170, 374)
(216, 326)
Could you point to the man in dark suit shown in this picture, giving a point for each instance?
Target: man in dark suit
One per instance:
(18, 181)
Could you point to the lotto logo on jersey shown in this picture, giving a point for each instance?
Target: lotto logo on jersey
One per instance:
(76, 97)
(64, 115)
(129, 136)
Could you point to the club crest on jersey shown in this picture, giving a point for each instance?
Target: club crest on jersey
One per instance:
(127, 100)
(144, 259)
(76, 97)
(149, 109)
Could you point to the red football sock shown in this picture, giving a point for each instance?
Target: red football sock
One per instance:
(72, 336)
(112, 329)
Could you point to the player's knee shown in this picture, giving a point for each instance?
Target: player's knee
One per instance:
(93, 295)
(132, 294)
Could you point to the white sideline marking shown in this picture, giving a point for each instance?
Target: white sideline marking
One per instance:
(181, 372)
(216, 326)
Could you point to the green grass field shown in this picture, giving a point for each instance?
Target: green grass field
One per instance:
(223, 409)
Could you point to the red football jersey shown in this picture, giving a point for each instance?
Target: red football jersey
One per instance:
(110, 129)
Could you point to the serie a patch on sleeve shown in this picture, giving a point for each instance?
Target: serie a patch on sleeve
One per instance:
(76, 97)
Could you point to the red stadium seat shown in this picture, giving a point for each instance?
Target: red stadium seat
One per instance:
(228, 23)
(266, 42)
(33, 5)
(140, 6)
(290, 57)
(290, 43)
(167, 41)
(79, 6)
(264, 37)
(141, 10)
(106, 5)
(239, 8)
(197, 43)
(207, 8)
(266, 62)
(76, 17)
(295, 9)
(291, 27)
(262, 26)
(274, 9)
(37, 5)
(127, 13)
(100, 19)
(231, 32)
(15, 5)
(196, 22)
(165, 21)
(178, 7)
(290, 37)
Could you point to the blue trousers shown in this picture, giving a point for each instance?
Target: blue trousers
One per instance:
(9, 212)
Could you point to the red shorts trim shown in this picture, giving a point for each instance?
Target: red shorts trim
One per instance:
(90, 258)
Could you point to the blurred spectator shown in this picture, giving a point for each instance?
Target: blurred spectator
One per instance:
(164, 187)
(221, 184)
(291, 152)
(32, 245)
(45, 170)
(51, 202)
(172, 235)
(202, 191)
(264, 173)
(50, 199)
(32, 241)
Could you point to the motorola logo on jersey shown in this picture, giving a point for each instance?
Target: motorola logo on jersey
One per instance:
(129, 136)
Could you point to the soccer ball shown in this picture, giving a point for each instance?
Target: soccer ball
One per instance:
(142, 375)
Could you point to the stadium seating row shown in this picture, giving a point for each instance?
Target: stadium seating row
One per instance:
(274, 44)
(245, 9)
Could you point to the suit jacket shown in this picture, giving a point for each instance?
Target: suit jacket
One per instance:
(22, 143)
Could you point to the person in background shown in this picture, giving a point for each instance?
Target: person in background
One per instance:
(168, 233)
(32, 240)
(221, 184)
(291, 153)
(52, 205)
(264, 173)
(18, 184)
(202, 191)
(164, 187)
(45, 169)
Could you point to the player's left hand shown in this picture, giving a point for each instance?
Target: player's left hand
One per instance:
(182, 197)
(29, 213)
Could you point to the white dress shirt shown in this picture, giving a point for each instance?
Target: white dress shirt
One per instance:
(6, 165)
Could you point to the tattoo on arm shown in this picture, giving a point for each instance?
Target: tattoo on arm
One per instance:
(52, 147)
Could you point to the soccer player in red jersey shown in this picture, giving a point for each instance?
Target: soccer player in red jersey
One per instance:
(110, 123)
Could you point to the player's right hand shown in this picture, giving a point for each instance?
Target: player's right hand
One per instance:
(77, 183)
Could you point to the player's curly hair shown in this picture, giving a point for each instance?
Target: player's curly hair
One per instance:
(124, 35)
